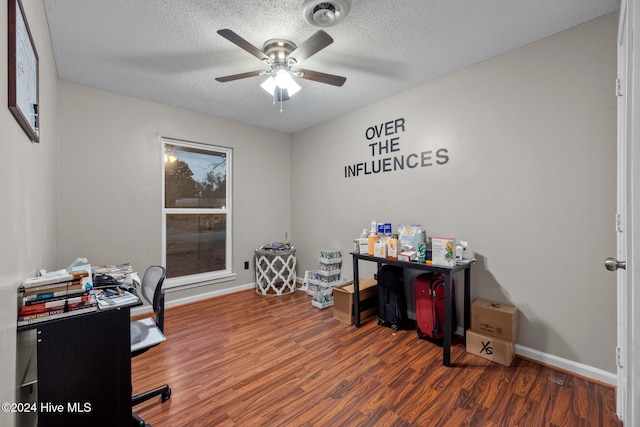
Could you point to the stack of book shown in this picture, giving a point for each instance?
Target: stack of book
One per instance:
(119, 272)
(52, 297)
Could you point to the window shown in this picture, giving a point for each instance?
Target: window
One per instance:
(196, 213)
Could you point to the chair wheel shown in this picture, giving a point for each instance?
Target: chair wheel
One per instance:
(380, 322)
(394, 327)
(166, 395)
(420, 334)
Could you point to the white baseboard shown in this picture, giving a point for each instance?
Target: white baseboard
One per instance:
(568, 365)
(544, 358)
(198, 297)
(562, 364)
(211, 294)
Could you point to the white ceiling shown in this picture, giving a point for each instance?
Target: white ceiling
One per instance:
(168, 51)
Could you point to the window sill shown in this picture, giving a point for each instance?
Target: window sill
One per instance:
(187, 282)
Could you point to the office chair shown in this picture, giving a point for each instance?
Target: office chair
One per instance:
(147, 333)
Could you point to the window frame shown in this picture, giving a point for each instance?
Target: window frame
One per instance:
(200, 279)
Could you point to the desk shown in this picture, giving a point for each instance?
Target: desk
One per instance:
(84, 369)
(446, 271)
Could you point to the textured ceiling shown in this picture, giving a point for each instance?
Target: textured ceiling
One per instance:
(168, 51)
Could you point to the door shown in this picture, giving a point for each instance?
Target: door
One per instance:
(626, 224)
(618, 264)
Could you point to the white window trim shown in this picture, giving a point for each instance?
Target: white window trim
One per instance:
(201, 279)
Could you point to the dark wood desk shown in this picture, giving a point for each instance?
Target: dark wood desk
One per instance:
(446, 271)
(84, 369)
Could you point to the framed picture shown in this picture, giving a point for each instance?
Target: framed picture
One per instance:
(23, 72)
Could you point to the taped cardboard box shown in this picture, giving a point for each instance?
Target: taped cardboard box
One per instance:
(490, 347)
(493, 318)
(343, 301)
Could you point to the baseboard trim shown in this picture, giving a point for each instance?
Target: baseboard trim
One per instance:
(195, 298)
(569, 366)
(565, 365)
(546, 359)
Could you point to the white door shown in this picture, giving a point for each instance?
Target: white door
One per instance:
(628, 224)
(619, 260)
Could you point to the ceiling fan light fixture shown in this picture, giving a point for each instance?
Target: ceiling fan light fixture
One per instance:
(269, 85)
(321, 13)
(283, 81)
(281, 55)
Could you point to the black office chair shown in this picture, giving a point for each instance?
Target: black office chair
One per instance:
(147, 333)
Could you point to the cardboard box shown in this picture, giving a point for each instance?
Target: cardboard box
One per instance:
(380, 250)
(322, 295)
(443, 251)
(361, 246)
(408, 256)
(343, 301)
(492, 318)
(392, 248)
(490, 347)
(407, 233)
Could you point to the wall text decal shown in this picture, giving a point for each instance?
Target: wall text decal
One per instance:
(383, 141)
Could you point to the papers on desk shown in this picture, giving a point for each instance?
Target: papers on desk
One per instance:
(145, 333)
(119, 272)
(106, 301)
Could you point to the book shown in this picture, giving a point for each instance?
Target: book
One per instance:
(54, 314)
(106, 269)
(56, 304)
(118, 272)
(53, 288)
(123, 298)
(52, 296)
(64, 308)
(54, 278)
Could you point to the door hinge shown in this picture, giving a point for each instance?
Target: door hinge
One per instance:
(619, 357)
(618, 223)
(618, 87)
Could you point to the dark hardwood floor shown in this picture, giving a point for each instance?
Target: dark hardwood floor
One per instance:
(250, 360)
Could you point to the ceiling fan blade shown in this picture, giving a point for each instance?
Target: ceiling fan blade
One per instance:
(309, 47)
(241, 76)
(317, 76)
(239, 41)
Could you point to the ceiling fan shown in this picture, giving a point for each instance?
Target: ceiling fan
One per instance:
(281, 56)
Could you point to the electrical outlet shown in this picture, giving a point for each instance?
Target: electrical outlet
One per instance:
(246, 265)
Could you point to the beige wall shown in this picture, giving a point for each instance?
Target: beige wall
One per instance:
(29, 191)
(111, 182)
(530, 182)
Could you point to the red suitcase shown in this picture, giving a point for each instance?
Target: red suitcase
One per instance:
(429, 294)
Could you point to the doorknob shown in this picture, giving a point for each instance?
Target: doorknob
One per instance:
(613, 264)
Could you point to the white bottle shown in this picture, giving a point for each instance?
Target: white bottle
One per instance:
(466, 252)
(458, 252)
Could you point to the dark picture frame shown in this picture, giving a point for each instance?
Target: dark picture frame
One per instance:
(23, 72)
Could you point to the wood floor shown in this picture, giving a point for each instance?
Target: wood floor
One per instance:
(250, 360)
